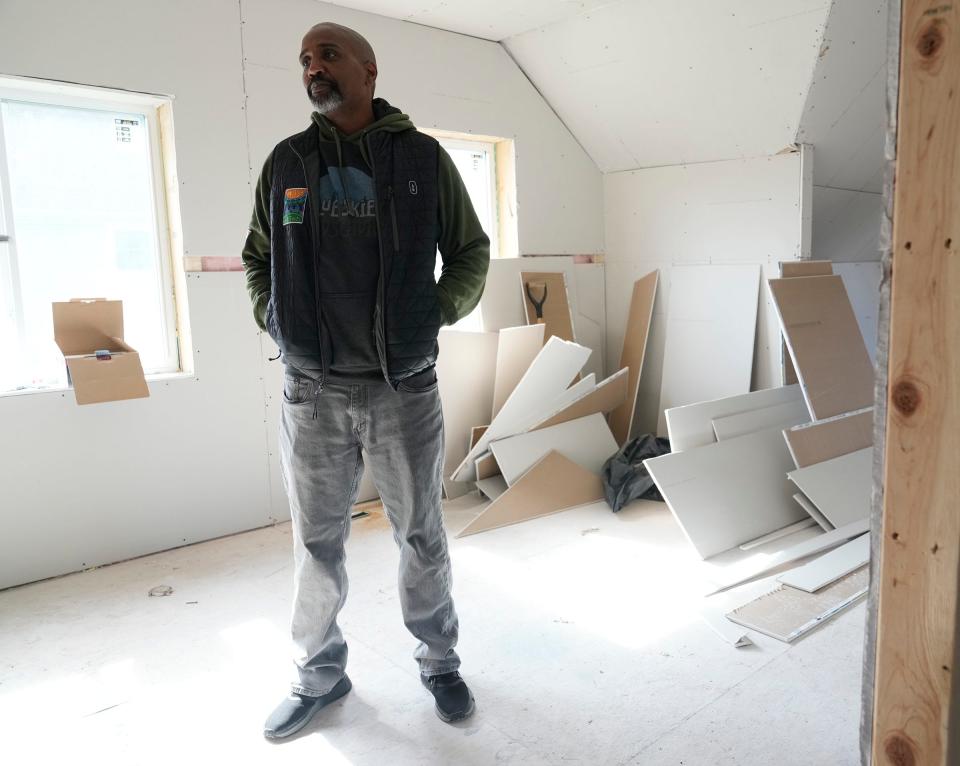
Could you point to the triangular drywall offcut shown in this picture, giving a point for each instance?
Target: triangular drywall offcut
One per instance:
(553, 484)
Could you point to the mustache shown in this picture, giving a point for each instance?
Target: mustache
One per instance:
(318, 79)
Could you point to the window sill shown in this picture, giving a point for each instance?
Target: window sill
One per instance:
(159, 377)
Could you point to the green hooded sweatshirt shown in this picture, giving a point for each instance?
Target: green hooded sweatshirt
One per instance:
(349, 255)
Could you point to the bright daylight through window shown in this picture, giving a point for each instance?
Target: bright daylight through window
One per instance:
(82, 215)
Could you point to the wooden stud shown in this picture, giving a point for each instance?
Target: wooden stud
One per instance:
(915, 685)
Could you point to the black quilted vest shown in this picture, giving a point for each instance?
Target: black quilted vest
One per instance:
(407, 314)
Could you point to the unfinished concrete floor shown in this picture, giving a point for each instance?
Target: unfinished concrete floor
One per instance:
(579, 635)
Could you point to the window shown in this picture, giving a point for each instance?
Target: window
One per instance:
(82, 215)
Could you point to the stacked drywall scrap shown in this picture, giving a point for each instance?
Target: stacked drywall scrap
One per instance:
(753, 465)
(545, 446)
(548, 435)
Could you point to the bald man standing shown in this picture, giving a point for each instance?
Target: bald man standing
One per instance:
(340, 258)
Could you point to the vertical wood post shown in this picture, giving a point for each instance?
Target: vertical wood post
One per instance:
(916, 682)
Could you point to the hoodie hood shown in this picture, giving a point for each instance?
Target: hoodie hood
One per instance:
(385, 117)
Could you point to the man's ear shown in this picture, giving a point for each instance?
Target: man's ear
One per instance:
(371, 72)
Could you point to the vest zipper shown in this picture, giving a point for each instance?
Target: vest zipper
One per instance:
(393, 219)
(381, 352)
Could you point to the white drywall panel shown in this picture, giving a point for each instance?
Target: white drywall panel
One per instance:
(840, 487)
(659, 82)
(844, 115)
(830, 566)
(711, 327)
(846, 225)
(692, 425)
(502, 304)
(123, 479)
(757, 566)
(586, 441)
(742, 211)
(810, 508)
(465, 371)
(517, 347)
(728, 493)
(781, 415)
(442, 80)
(862, 281)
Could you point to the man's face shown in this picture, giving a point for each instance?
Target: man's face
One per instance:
(333, 74)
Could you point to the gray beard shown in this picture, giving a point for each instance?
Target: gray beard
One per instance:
(332, 99)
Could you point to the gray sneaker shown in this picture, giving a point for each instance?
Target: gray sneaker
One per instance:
(296, 710)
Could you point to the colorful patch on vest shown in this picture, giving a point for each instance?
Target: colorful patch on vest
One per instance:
(294, 202)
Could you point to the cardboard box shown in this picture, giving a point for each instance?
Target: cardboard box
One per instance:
(81, 328)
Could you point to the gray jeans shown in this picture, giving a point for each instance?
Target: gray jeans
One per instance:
(321, 435)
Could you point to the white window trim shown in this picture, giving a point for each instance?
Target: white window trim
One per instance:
(25, 89)
(490, 147)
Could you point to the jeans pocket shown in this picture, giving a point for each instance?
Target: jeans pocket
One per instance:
(420, 382)
(296, 390)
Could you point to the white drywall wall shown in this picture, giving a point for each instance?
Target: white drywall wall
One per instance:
(739, 211)
(844, 115)
(846, 224)
(90, 485)
(196, 459)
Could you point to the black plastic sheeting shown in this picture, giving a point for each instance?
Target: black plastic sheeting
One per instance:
(625, 478)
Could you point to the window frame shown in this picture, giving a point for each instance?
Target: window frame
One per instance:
(489, 146)
(151, 106)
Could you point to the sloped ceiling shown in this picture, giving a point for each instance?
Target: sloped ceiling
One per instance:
(490, 19)
(844, 115)
(659, 82)
(644, 83)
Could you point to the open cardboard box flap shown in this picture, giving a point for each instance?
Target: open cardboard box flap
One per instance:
(83, 326)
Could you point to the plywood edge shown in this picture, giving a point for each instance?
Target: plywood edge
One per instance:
(634, 350)
(609, 394)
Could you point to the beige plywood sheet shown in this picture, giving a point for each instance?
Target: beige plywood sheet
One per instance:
(788, 613)
(825, 344)
(634, 349)
(551, 485)
(805, 268)
(557, 317)
(798, 269)
(517, 347)
(830, 438)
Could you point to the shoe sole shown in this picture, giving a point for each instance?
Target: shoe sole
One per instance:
(456, 716)
(309, 718)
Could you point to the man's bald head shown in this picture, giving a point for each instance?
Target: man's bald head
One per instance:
(361, 48)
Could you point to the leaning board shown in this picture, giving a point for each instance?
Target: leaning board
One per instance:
(728, 493)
